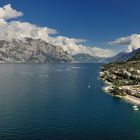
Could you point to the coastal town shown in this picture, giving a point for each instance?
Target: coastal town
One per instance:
(122, 79)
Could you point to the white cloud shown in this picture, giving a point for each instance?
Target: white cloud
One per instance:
(132, 41)
(74, 47)
(6, 12)
(19, 30)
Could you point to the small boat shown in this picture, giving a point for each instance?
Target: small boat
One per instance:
(135, 108)
(89, 86)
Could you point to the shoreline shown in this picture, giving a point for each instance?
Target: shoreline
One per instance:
(128, 98)
(132, 99)
(122, 81)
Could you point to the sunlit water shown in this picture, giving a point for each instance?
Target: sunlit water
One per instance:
(54, 102)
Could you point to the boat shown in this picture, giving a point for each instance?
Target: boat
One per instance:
(89, 86)
(135, 108)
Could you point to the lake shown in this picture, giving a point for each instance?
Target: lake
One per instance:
(54, 102)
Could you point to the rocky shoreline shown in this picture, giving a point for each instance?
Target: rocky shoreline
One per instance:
(122, 80)
(128, 98)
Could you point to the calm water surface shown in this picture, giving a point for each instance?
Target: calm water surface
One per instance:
(53, 102)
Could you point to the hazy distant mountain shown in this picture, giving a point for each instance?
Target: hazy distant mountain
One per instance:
(86, 58)
(123, 56)
(136, 56)
(30, 50)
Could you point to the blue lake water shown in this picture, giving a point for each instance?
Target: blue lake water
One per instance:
(53, 102)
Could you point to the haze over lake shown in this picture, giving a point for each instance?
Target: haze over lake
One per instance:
(53, 101)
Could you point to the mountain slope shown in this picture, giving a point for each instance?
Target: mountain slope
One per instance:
(123, 78)
(31, 50)
(136, 57)
(122, 57)
(85, 58)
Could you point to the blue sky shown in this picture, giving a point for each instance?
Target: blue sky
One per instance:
(98, 21)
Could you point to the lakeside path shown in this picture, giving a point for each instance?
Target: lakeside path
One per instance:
(132, 99)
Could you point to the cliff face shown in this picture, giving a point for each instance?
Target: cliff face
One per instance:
(30, 50)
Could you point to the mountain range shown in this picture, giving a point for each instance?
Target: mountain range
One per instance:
(39, 51)
(136, 56)
(124, 56)
(31, 50)
(86, 58)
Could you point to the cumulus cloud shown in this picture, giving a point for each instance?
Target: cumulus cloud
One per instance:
(132, 41)
(74, 46)
(7, 12)
(19, 30)
(10, 30)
